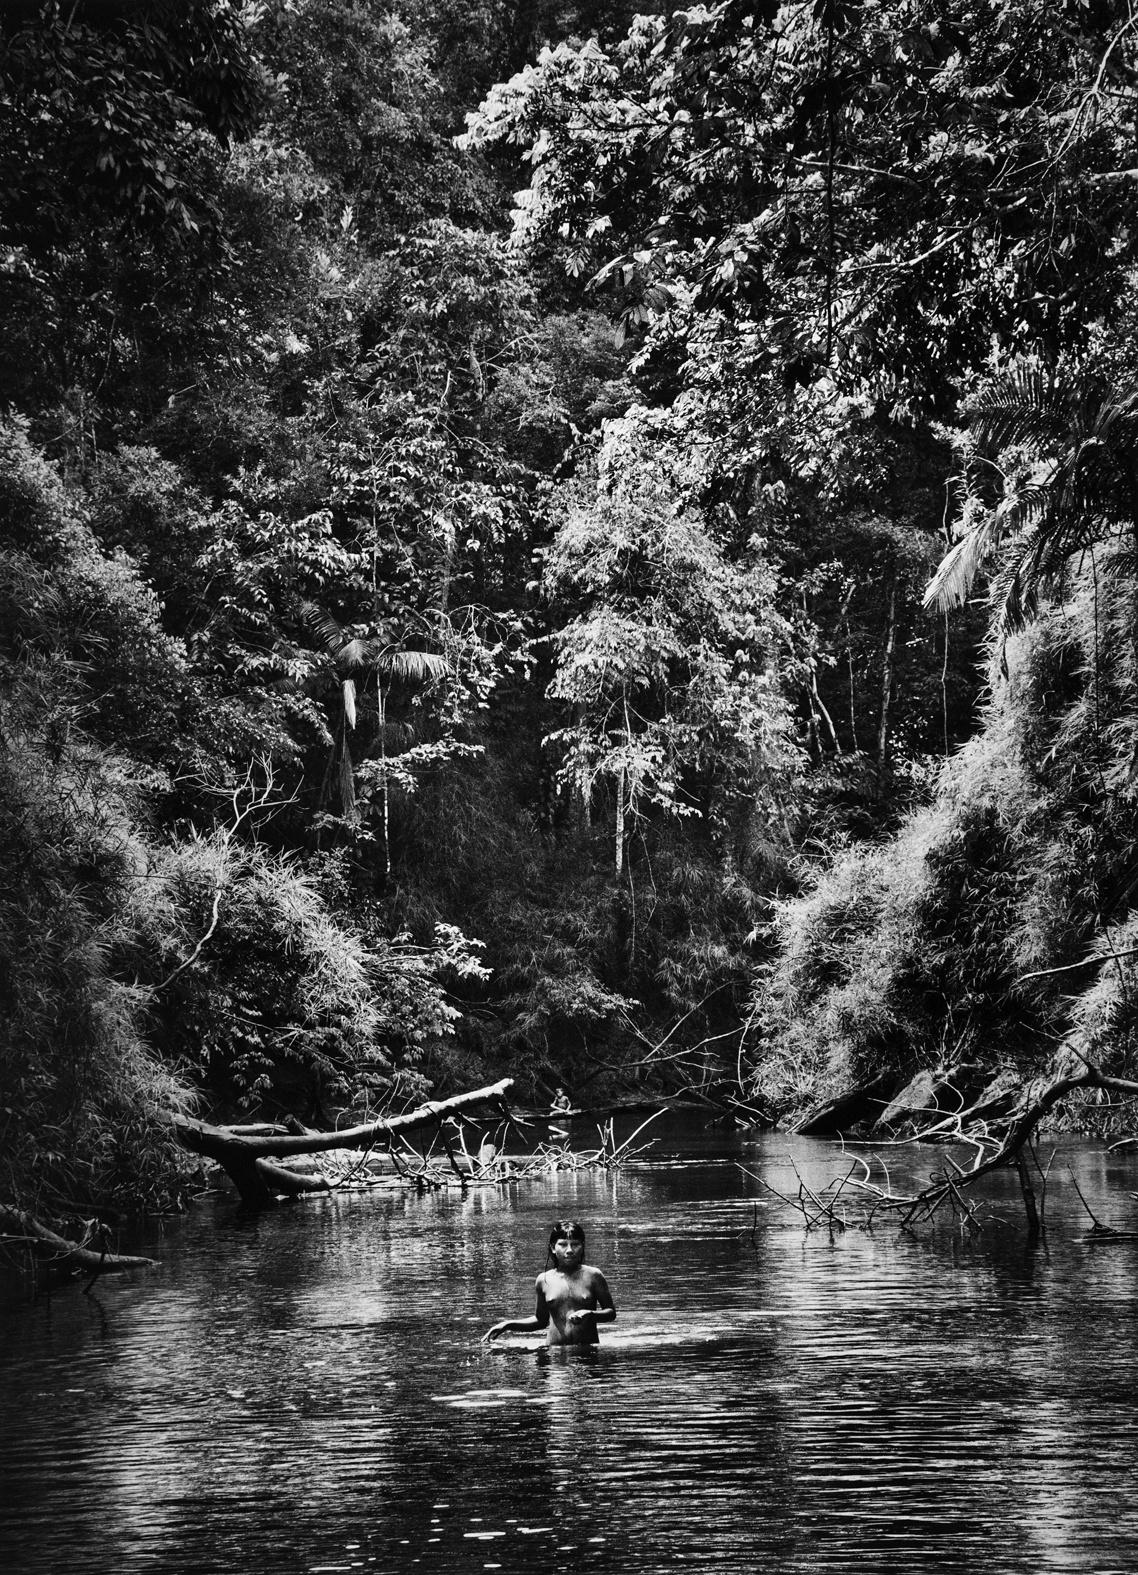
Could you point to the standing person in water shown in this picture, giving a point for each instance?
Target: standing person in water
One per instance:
(572, 1296)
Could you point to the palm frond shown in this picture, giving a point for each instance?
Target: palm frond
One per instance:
(1056, 540)
(321, 623)
(1092, 433)
(349, 690)
(1122, 564)
(357, 652)
(1115, 419)
(1014, 600)
(1023, 406)
(1025, 507)
(413, 666)
(952, 583)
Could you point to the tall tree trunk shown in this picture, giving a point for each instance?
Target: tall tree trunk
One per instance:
(619, 835)
(381, 702)
(850, 674)
(886, 694)
(818, 706)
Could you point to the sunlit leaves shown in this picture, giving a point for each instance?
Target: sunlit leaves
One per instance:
(891, 165)
(667, 663)
(1082, 433)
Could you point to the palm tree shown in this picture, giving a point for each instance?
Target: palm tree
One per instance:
(1087, 433)
(354, 655)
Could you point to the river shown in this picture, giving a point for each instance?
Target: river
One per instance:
(307, 1392)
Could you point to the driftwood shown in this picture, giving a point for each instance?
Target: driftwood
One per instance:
(492, 1167)
(22, 1229)
(249, 1160)
(829, 1206)
(1100, 1233)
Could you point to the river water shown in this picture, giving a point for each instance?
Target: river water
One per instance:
(307, 1392)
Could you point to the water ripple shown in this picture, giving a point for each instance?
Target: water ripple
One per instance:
(307, 1392)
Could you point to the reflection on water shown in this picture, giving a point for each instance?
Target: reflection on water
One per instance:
(307, 1391)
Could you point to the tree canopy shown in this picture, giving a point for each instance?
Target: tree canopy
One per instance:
(636, 592)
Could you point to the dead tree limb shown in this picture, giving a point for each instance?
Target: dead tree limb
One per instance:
(992, 1153)
(1098, 1231)
(20, 1226)
(249, 1161)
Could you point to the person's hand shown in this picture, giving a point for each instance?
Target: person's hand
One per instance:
(492, 1333)
(579, 1314)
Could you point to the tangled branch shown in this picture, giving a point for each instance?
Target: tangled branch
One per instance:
(949, 1188)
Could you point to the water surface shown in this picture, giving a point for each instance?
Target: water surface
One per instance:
(307, 1391)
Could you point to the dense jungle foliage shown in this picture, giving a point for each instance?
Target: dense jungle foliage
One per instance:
(581, 541)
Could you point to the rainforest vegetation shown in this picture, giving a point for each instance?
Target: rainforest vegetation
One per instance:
(584, 543)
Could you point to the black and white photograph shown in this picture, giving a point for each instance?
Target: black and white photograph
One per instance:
(568, 787)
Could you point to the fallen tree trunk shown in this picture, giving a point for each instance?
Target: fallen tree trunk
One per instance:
(248, 1160)
(856, 1105)
(22, 1228)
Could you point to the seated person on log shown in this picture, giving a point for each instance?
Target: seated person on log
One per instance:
(572, 1296)
(559, 1110)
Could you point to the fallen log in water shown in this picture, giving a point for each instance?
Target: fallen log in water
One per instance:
(22, 1229)
(249, 1161)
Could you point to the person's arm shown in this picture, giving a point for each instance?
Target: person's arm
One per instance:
(540, 1319)
(604, 1309)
